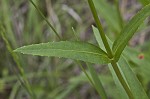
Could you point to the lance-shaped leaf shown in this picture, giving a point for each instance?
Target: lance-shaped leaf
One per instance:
(134, 84)
(73, 50)
(129, 30)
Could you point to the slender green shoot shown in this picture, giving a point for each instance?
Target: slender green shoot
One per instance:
(79, 63)
(100, 28)
(45, 19)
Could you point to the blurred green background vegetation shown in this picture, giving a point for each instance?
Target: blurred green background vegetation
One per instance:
(57, 78)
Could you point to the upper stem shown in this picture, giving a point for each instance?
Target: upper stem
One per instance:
(109, 52)
(121, 79)
(100, 28)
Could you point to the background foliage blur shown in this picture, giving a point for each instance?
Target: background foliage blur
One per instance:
(55, 78)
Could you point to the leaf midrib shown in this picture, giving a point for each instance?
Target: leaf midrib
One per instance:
(70, 51)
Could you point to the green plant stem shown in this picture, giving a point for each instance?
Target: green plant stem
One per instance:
(121, 79)
(109, 52)
(100, 28)
(45, 19)
(79, 63)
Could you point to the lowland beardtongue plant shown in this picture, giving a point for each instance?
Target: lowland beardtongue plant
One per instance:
(90, 53)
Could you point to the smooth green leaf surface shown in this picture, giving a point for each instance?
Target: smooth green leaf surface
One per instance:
(143, 65)
(74, 50)
(129, 30)
(134, 84)
(99, 40)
